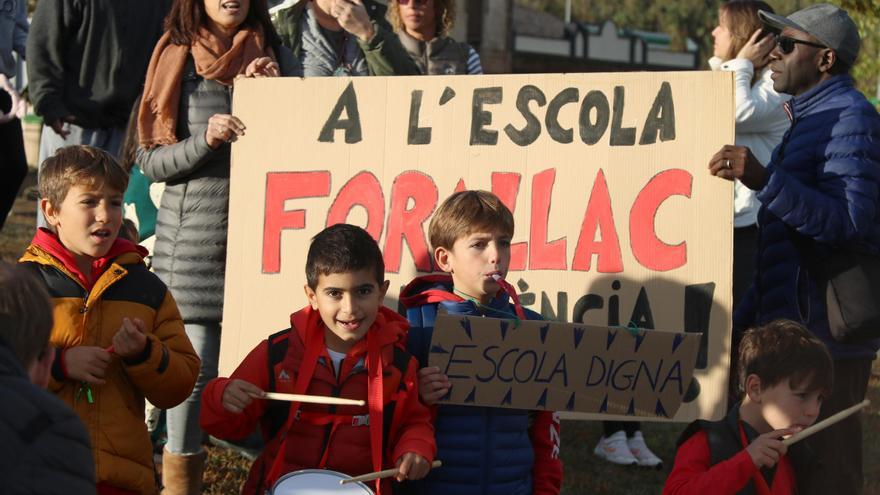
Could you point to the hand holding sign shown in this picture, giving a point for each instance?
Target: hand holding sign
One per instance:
(433, 385)
(223, 128)
(738, 162)
(262, 67)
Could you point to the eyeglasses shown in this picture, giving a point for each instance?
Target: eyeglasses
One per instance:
(418, 3)
(786, 44)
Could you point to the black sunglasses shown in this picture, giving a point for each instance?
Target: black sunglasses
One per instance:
(786, 44)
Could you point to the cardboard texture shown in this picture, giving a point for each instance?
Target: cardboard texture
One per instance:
(617, 217)
(554, 366)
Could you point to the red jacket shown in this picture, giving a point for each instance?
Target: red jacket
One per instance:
(342, 442)
(693, 473)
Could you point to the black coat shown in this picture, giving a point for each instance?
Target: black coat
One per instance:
(44, 447)
(89, 58)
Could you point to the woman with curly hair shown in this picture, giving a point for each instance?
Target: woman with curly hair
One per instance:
(423, 27)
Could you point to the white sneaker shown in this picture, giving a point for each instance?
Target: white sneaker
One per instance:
(642, 453)
(614, 449)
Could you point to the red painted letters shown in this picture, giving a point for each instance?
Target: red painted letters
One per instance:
(407, 223)
(362, 190)
(649, 251)
(598, 216)
(281, 186)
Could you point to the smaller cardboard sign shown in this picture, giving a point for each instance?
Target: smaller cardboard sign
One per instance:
(545, 365)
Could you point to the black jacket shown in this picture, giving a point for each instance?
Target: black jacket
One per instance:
(44, 448)
(88, 58)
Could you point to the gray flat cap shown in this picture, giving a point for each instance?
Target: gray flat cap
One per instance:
(829, 24)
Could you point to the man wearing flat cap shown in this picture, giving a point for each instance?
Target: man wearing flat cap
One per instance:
(820, 195)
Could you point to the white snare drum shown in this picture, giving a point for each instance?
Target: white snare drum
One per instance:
(318, 482)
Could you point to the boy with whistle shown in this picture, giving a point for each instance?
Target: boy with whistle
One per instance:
(784, 372)
(346, 344)
(485, 450)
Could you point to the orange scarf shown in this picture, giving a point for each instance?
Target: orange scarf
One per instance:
(214, 59)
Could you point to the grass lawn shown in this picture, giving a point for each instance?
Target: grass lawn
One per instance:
(584, 473)
(19, 227)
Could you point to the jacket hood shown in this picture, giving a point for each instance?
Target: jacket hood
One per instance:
(437, 288)
(47, 249)
(390, 328)
(429, 289)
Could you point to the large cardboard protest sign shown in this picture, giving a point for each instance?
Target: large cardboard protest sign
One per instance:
(552, 366)
(618, 221)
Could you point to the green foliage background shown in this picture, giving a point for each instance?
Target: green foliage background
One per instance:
(695, 19)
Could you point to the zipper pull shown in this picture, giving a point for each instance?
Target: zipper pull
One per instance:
(84, 386)
(85, 307)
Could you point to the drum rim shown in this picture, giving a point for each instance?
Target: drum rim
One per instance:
(320, 471)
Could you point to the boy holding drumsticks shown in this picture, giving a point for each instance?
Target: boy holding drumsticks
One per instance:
(118, 338)
(343, 344)
(785, 372)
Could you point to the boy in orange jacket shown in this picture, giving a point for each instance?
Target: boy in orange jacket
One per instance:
(343, 344)
(118, 336)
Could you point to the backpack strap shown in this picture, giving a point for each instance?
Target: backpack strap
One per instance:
(400, 361)
(277, 411)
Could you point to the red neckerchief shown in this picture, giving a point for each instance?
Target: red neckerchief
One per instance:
(757, 478)
(48, 241)
(506, 287)
(314, 346)
(411, 298)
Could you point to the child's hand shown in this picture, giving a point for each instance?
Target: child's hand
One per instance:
(130, 340)
(239, 394)
(432, 384)
(766, 450)
(412, 466)
(87, 364)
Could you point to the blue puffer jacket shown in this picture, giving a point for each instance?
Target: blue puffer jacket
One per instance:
(485, 451)
(822, 193)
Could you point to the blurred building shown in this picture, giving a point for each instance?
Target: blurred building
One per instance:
(515, 39)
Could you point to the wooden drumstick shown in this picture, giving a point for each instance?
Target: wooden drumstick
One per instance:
(314, 399)
(381, 474)
(825, 423)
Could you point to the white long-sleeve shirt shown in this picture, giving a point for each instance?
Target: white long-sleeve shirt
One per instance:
(760, 124)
